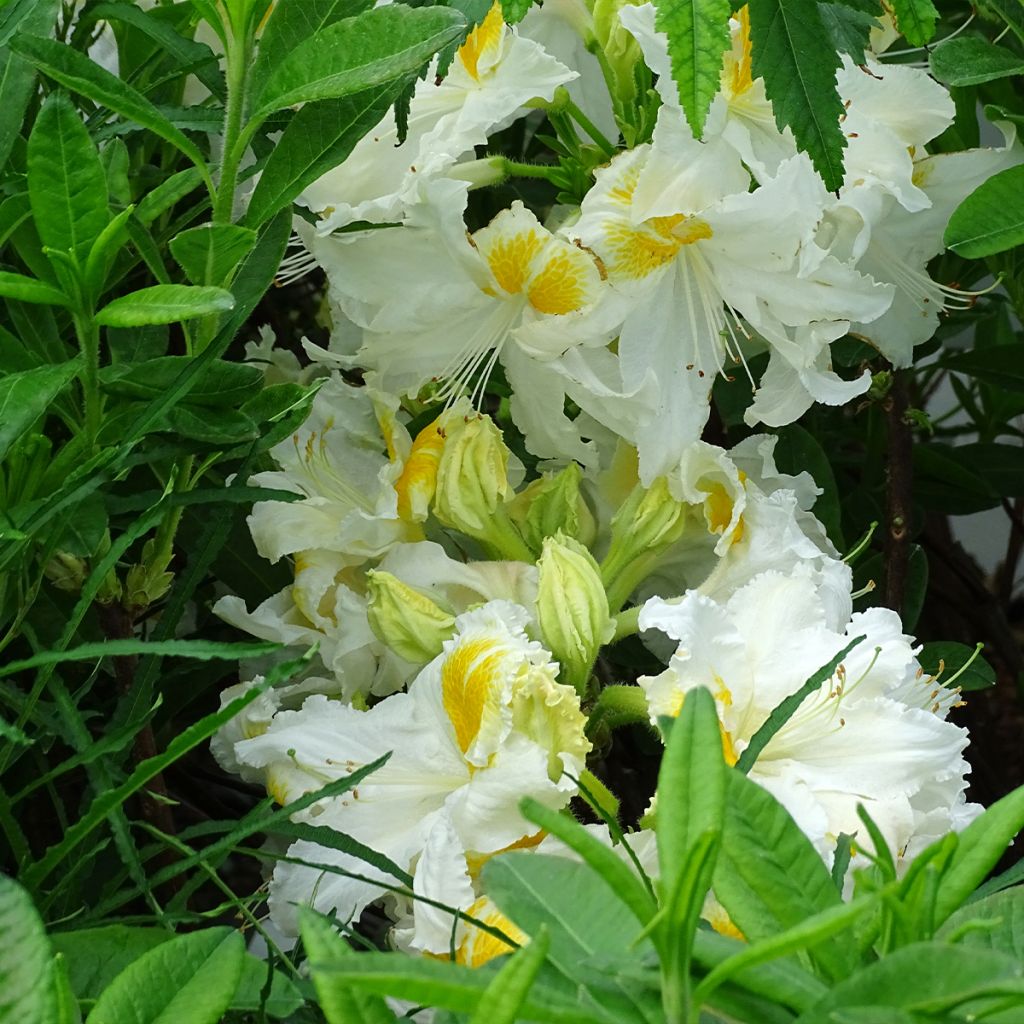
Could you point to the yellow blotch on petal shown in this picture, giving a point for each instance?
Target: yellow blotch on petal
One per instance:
(639, 251)
(736, 72)
(468, 675)
(482, 42)
(562, 284)
(721, 921)
(509, 259)
(418, 481)
(476, 861)
(479, 946)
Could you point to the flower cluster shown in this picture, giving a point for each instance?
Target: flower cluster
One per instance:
(461, 604)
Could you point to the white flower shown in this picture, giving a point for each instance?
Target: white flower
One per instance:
(469, 300)
(493, 74)
(894, 244)
(695, 251)
(874, 734)
(482, 725)
(338, 461)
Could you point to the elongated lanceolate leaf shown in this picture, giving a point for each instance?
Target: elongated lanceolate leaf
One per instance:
(970, 61)
(26, 970)
(164, 304)
(76, 72)
(209, 253)
(66, 184)
(17, 76)
(25, 396)
(191, 978)
(991, 219)
(292, 22)
(792, 51)
(358, 53)
(318, 139)
(340, 1003)
(28, 289)
(698, 36)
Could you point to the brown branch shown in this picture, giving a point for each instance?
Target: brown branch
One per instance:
(899, 477)
(1007, 573)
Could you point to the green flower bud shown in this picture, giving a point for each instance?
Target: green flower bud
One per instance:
(473, 487)
(553, 504)
(649, 522)
(572, 607)
(621, 50)
(409, 622)
(66, 571)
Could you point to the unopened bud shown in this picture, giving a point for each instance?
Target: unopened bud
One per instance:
(572, 607)
(649, 521)
(553, 504)
(66, 571)
(404, 618)
(473, 487)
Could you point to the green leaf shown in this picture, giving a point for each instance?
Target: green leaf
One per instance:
(197, 57)
(66, 184)
(17, 76)
(584, 919)
(1002, 465)
(212, 426)
(788, 707)
(916, 20)
(282, 1000)
(691, 784)
(769, 876)
(318, 139)
(326, 948)
(95, 956)
(849, 28)
(136, 344)
(201, 649)
(928, 977)
(968, 60)
(944, 659)
(191, 978)
(505, 995)
(791, 50)
(208, 254)
(164, 304)
(66, 1008)
(166, 194)
(292, 22)
(1000, 365)
(995, 923)
(26, 971)
(76, 72)
(358, 53)
(620, 878)
(223, 384)
(981, 845)
(26, 396)
(990, 220)
(28, 289)
(433, 983)
(698, 36)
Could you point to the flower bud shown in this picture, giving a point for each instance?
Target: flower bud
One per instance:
(66, 571)
(553, 504)
(572, 607)
(473, 487)
(405, 619)
(621, 50)
(649, 521)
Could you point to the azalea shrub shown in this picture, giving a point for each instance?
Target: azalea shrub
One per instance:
(479, 488)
